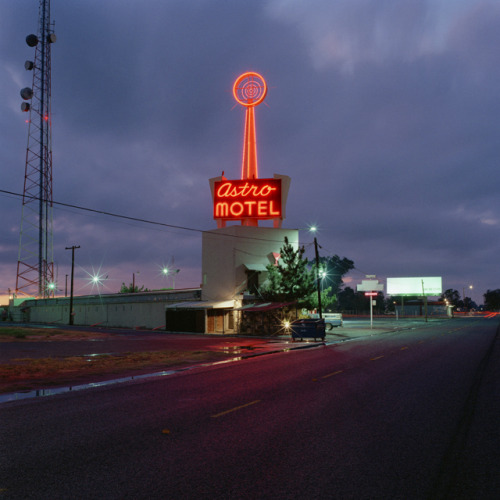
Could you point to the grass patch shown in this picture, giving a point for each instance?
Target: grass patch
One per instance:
(32, 373)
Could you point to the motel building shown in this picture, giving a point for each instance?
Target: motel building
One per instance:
(235, 254)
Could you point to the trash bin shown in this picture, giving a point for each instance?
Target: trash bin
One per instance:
(308, 329)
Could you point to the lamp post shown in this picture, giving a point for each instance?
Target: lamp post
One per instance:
(323, 276)
(313, 229)
(463, 293)
(317, 278)
(166, 272)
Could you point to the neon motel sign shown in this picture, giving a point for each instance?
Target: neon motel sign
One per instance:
(247, 199)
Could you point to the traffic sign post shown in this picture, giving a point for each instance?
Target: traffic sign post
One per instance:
(371, 287)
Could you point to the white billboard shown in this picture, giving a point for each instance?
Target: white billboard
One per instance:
(432, 285)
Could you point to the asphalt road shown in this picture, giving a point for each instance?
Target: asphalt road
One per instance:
(404, 415)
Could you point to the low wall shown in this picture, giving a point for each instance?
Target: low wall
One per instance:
(145, 309)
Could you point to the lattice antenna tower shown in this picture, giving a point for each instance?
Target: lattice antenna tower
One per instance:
(35, 265)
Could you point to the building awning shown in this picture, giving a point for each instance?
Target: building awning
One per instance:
(256, 267)
(202, 304)
(267, 306)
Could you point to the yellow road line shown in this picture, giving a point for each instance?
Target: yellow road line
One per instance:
(375, 359)
(235, 409)
(403, 348)
(331, 374)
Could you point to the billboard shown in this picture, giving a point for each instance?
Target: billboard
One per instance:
(247, 199)
(415, 286)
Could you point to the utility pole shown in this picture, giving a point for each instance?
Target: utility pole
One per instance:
(317, 278)
(71, 317)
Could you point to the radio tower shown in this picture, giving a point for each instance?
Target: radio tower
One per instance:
(35, 265)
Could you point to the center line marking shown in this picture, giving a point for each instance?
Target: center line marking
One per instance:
(235, 409)
(375, 359)
(403, 348)
(331, 374)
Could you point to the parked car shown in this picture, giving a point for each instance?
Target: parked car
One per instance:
(331, 319)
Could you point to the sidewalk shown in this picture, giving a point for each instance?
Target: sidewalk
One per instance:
(352, 329)
(355, 328)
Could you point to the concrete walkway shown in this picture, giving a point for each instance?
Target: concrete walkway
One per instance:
(356, 328)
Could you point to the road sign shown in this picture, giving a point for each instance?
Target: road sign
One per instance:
(370, 286)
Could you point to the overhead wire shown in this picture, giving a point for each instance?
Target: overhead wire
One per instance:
(137, 219)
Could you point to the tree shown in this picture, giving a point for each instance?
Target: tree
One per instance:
(452, 296)
(291, 280)
(327, 299)
(335, 268)
(349, 300)
(492, 300)
(331, 271)
(132, 289)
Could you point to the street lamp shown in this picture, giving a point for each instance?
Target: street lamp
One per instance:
(463, 293)
(167, 272)
(322, 275)
(313, 229)
(51, 288)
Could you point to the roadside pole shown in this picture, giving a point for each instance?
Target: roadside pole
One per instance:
(317, 279)
(72, 278)
(371, 287)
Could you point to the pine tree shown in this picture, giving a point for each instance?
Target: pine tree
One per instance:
(291, 280)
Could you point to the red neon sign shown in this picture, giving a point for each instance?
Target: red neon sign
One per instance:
(247, 199)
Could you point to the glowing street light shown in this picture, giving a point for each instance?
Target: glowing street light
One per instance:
(463, 293)
(313, 228)
(96, 279)
(166, 271)
(51, 288)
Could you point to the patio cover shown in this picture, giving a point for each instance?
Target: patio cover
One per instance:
(202, 304)
(267, 306)
(256, 267)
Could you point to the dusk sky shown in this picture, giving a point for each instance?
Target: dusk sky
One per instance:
(385, 114)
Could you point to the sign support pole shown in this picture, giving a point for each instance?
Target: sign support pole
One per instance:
(371, 313)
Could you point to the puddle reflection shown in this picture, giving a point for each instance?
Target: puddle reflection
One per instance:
(15, 396)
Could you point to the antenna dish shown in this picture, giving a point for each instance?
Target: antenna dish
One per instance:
(27, 93)
(25, 106)
(32, 40)
(28, 65)
(52, 38)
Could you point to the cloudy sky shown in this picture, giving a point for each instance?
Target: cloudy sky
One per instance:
(384, 114)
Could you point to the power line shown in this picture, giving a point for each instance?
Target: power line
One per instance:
(138, 219)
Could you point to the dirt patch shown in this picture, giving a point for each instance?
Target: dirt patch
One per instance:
(20, 334)
(28, 374)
